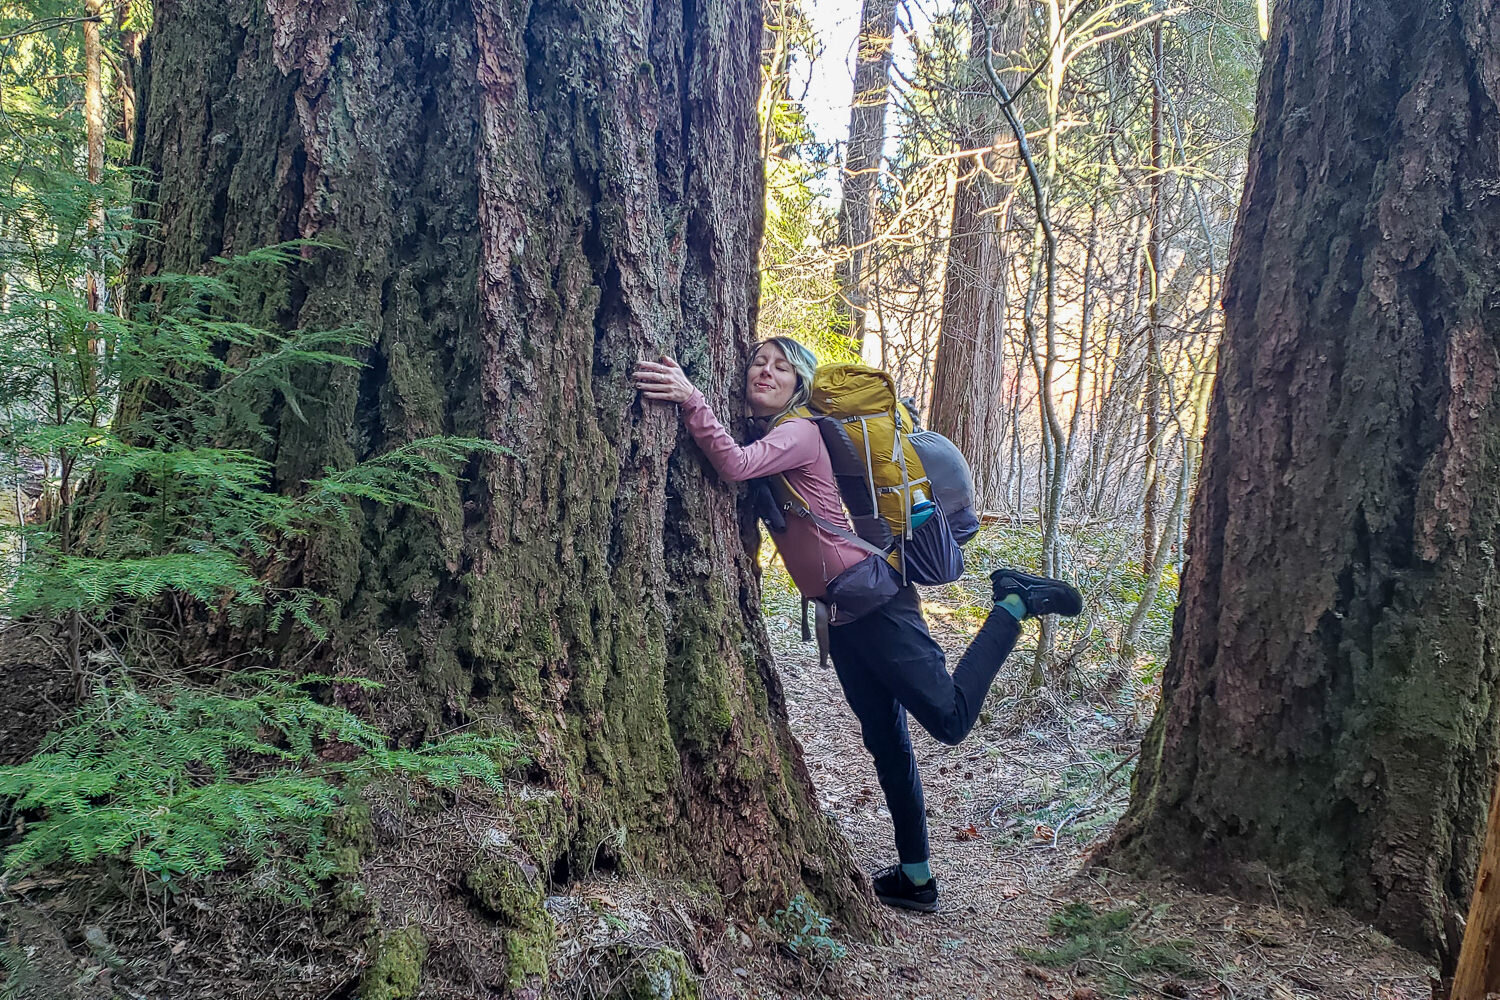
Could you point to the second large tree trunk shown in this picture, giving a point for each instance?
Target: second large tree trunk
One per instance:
(529, 197)
(1329, 709)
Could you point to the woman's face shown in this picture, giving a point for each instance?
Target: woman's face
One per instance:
(770, 382)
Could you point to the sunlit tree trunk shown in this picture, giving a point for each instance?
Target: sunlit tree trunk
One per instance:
(1478, 972)
(862, 156)
(93, 118)
(967, 380)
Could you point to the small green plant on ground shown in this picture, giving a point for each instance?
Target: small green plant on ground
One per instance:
(805, 932)
(1086, 796)
(1108, 943)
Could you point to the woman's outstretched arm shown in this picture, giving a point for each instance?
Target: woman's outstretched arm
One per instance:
(791, 445)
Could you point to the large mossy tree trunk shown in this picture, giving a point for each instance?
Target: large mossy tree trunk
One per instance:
(1329, 710)
(529, 197)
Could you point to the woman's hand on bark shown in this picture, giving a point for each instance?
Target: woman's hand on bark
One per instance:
(662, 380)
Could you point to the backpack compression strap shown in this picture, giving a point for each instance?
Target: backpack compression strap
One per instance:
(843, 533)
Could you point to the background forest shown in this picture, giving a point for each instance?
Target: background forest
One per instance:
(365, 637)
(1040, 270)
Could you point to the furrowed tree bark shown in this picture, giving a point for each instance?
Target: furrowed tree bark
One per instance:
(529, 197)
(968, 370)
(862, 156)
(1328, 711)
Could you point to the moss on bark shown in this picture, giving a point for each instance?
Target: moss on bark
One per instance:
(515, 893)
(523, 214)
(395, 969)
(660, 974)
(1328, 711)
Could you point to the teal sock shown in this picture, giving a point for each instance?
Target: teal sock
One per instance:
(919, 873)
(1013, 604)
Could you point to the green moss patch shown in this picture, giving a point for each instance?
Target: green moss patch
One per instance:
(396, 971)
(514, 894)
(662, 974)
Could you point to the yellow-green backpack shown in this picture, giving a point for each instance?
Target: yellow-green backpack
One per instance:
(876, 450)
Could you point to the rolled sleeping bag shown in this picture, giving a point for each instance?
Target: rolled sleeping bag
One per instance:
(952, 481)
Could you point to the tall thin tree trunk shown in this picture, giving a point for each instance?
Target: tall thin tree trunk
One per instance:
(1085, 342)
(968, 372)
(1151, 499)
(1192, 446)
(517, 202)
(130, 57)
(93, 88)
(862, 157)
(93, 118)
(1328, 709)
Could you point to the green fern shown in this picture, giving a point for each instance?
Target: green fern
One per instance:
(185, 783)
(142, 431)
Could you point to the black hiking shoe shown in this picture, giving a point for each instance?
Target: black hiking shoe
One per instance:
(1042, 595)
(894, 888)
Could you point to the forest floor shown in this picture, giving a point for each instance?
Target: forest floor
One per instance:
(1014, 813)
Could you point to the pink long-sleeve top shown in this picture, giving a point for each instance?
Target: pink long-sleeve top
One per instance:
(794, 449)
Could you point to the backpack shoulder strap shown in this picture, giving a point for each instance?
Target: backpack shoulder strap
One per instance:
(796, 503)
(786, 494)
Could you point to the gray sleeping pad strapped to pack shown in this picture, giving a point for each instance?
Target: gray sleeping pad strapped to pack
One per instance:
(952, 481)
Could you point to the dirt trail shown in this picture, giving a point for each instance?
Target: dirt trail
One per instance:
(1003, 874)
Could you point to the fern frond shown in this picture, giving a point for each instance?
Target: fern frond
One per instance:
(189, 782)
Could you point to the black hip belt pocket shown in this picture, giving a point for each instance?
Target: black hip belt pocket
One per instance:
(862, 588)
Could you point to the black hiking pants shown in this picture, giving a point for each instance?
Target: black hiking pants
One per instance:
(889, 665)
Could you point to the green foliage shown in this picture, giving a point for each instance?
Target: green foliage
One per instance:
(187, 782)
(799, 292)
(132, 426)
(1107, 941)
(142, 435)
(19, 974)
(805, 932)
(164, 505)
